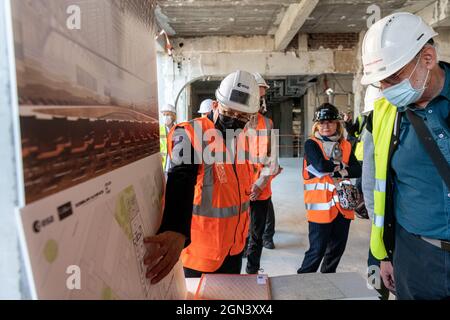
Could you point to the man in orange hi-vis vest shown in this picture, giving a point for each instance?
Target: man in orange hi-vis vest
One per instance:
(206, 215)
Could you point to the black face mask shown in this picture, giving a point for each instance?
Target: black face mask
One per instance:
(226, 123)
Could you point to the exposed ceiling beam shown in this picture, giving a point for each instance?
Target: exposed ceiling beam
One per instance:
(436, 14)
(163, 21)
(293, 20)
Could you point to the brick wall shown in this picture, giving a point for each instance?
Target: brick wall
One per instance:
(332, 40)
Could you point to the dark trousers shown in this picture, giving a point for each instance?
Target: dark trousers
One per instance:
(231, 265)
(327, 242)
(269, 231)
(258, 216)
(358, 184)
(421, 270)
(374, 265)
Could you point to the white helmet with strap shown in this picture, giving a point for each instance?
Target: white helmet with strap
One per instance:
(169, 108)
(372, 95)
(260, 80)
(206, 106)
(391, 43)
(239, 92)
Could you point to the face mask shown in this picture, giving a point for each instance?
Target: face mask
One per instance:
(226, 122)
(168, 120)
(403, 94)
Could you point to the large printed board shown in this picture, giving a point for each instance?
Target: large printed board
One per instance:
(87, 91)
(87, 241)
(90, 146)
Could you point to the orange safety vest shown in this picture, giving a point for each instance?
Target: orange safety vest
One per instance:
(220, 218)
(263, 129)
(320, 194)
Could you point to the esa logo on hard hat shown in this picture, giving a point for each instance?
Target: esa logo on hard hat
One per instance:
(240, 85)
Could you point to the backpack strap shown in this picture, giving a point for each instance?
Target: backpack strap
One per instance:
(430, 146)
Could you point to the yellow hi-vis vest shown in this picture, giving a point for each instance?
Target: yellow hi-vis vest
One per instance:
(359, 150)
(384, 117)
(163, 144)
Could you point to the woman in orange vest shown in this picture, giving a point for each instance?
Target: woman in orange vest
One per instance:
(329, 155)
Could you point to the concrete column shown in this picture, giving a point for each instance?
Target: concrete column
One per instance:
(443, 44)
(358, 89)
(286, 132)
(302, 42)
(11, 195)
(310, 105)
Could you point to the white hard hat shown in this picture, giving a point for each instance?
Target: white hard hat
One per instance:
(260, 80)
(169, 108)
(239, 92)
(391, 43)
(372, 95)
(206, 106)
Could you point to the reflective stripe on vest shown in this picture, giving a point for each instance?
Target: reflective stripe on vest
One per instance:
(380, 185)
(322, 206)
(206, 208)
(221, 212)
(384, 116)
(378, 221)
(320, 186)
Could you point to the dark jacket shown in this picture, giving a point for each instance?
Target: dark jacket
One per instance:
(314, 156)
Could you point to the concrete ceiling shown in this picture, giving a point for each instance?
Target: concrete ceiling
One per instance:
(197, 18)
(336, 16)
(193, 18)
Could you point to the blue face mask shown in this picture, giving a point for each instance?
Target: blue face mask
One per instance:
(403, 94)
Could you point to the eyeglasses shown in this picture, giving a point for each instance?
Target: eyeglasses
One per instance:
(244, 117)
(390, 81)
(395, 78)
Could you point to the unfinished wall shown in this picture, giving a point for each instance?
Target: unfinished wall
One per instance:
(218, 56)
(443, 44)
(342, 98)
(318, 41)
